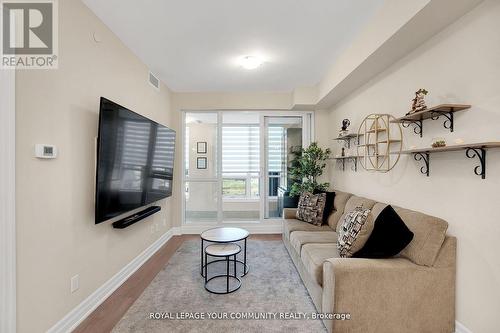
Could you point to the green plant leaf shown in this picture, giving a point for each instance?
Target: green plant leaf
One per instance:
(305, 169)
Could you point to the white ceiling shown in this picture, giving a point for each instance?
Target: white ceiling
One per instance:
(193, 45)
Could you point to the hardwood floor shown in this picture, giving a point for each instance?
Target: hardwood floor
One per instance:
(107, 315)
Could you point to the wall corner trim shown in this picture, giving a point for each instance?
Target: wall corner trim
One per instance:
(176, 231)
(460, 328)
(7, 201)
(85, 308)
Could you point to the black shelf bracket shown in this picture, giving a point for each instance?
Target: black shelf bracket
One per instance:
(417, 126)
(355, 164)
(354, 159)
(347, 141)
(425, 158)
(480, 153)
(449, 122)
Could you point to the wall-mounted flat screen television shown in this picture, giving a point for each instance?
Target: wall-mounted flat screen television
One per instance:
(135, 161)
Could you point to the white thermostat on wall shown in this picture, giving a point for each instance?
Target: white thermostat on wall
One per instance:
(45, 151)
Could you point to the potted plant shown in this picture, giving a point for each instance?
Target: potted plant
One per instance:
(306, 169)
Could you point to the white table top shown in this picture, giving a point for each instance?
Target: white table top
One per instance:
(225, 234)
(223, 249)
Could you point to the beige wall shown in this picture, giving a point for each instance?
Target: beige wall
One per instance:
(392, 15)
(461, 64)
(56, 235)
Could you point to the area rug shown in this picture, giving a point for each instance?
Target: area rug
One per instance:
(272, 297)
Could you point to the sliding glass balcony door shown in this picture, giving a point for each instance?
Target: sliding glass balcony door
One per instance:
(240, 166)
(283, 138)
(201, 182)
(235, 162)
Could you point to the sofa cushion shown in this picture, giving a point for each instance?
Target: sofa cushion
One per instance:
(313, 255)
(352, 203)
(390, 235)
(291, 225)
(299, 238)
(355, 230)
(428, 236)
(338, 208)
(311, 208)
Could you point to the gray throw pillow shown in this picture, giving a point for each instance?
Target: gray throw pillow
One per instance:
(311, 207)
(355, 229)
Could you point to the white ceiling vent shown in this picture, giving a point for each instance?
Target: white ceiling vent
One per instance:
(154, 81)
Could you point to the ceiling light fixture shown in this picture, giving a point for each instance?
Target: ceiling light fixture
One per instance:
(250, 62)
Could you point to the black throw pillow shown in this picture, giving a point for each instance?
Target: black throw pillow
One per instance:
(390, 236)
(330, 197)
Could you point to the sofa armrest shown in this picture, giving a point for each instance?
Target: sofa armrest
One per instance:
(388, 295)
(289, 213)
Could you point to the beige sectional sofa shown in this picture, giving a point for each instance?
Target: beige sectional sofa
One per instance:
(412, 292)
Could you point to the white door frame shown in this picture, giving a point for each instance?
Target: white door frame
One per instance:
(7, 201)
(308, 122)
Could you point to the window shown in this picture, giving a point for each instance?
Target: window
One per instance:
(241, 159)
(276, 149)
(240, 149)
(234, 187)
(240, 146)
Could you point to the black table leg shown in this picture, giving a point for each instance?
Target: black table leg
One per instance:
(245, 259)
(201, 259)
(206, 270)
(227, 274)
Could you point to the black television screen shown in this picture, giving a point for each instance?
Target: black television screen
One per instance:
(135, 161)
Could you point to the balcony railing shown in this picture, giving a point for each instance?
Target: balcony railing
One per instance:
(246, 185)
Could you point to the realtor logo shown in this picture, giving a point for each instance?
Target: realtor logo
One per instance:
(29, 34)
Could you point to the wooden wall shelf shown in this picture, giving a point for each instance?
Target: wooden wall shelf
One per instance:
(377, 130)
(347, 139)
(434, 113)
(472, 150)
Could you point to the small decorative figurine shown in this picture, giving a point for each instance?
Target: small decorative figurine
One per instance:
(343, 130)
(418, 102)
(438, 143)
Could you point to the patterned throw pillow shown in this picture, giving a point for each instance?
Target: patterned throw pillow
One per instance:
(311, 207)
(354, 232)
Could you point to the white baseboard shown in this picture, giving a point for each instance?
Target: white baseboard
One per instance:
(460, 328)
(253, 228)
(85, 308)
(176, 231)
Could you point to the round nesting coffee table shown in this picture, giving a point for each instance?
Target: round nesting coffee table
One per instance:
(226, 251)
(224, 235)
